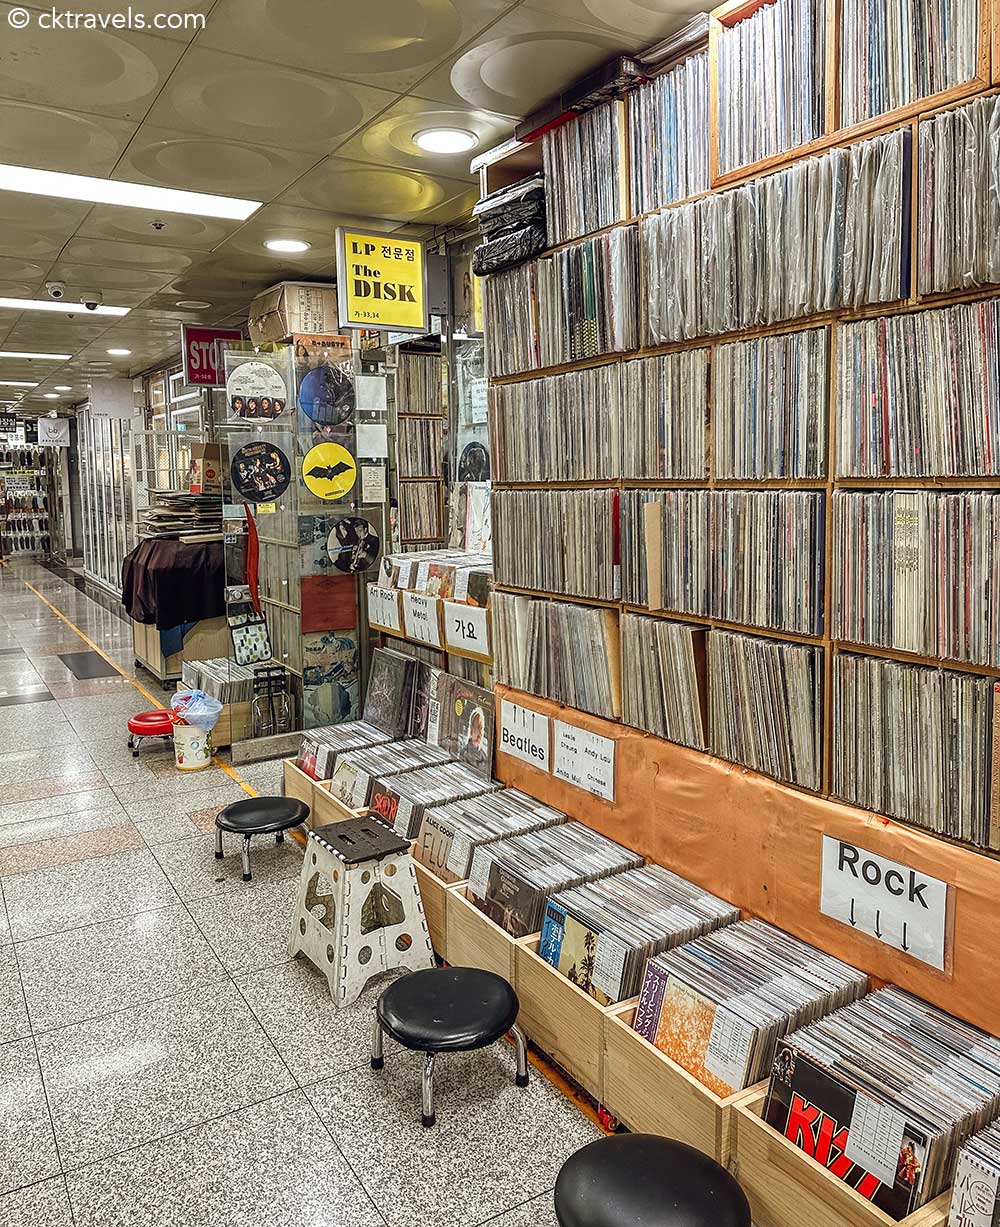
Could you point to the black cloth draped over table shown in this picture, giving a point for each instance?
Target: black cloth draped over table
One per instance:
(170, 583)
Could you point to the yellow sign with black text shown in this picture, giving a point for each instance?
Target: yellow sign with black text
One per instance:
(381, 282)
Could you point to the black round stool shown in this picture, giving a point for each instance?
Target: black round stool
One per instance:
(258, 816)
(641, 1178)
(447, 1009)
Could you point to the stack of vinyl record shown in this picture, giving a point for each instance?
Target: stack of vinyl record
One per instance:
(769, 399)
(401, 799)
(660, 687)
(511, 337)
(917, 394)
(562, 428)
(915, 743)
(665, 412)
(357, 770)
(419, 389)
(556, 541)
(719, 1005)
(556, 650)
(883, 1093)
(321, 747)
(449, 834)
(975, 1194)
(176, 514)
(389, 698)
(511, 880)
(683, 575)
(959, 209)
(420, 447)
(582, 160)
(601, 934)
(220, 678)
(420, 511)
(668, 136)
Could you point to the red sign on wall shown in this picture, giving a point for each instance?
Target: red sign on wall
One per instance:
(202, 347)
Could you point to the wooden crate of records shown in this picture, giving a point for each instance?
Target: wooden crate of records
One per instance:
(434, 893)
(474, 940)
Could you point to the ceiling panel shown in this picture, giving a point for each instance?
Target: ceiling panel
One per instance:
(355, 187)
(263, 103)
(12, 268)
(211, 164)
(387, 43)
(150, 11)
(53, 139)
(635, 23)
(166, 229)
(388, 140)
(145, 257)
(520, 62)
(103, 73)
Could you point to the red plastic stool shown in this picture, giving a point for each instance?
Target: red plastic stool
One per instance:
(149, 724)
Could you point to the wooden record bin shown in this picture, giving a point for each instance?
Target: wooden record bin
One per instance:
(785, 1186)
(297, 784)
(650, 1093)
(434, 893)
(474, 940)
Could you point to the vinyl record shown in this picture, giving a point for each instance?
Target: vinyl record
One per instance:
(326, 395)
(353, 545)
(329, 471)
(256, 390)
(260, 472)
(474, 463)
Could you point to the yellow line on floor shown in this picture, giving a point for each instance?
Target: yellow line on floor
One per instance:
(250, 791)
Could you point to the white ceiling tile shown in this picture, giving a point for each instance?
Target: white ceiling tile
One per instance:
(387, 43)
(100, 72)
(388, 140)
(53, 139)
(635, 23)
(355, 187)
(166, 229)
(12, 268)
(519, 62)
(263, 103)
(143, 256)
(211, 164)
(187, 16)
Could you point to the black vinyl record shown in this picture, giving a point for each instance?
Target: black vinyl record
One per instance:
(474, 463)
(353, 545)
(260, 472)
(326, 395)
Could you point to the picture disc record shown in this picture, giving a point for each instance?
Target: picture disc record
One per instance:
(326, 395)
(260, 472)
(329, 471)
(353, 545)
(474, 463)
(256, 390)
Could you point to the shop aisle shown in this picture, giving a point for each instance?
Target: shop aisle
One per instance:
(161, 1060)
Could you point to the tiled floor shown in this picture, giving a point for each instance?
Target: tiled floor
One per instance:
(162, 1063)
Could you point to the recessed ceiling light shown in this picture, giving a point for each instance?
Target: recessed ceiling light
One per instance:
(445, 140)
(18, 353)
(71, 308)
(131, 195)
(51, 395)
(17, 383)
(192, 304)
(63, 387)
(119, 353)
(288, 246)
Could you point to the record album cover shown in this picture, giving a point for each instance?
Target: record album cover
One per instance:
(390, 691)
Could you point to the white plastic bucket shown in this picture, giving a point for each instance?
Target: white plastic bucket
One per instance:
(192, 748)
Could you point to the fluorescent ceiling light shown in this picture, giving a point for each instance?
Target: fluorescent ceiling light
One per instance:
(51, 395)
(71, 308)
(289, 246)
(17, 353)
(192, 304)
(63, 387)
(119, 353)
(440, 140)
(16, 383)
(131, 195)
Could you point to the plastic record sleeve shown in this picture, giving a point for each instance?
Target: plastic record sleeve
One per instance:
(260, 472)
(256, 390)
(353, 545)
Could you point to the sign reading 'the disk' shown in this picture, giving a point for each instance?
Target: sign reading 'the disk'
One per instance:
(381, 281)
(899, 906)
(524, 734)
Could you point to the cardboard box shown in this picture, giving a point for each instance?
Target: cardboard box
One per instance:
(293, 306)
(205, 473)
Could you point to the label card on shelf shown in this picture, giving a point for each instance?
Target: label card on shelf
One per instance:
(420, 618)
(729, 1047)
(875, 1137)
(974, 1193)
(525, 734)
(466, 628)
(585, 760)
(899, 906)
(609, 965)
(383, 607)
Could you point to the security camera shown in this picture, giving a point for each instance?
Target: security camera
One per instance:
(55, 289)
(92, 299)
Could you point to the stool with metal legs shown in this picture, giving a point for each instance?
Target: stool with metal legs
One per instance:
(258, 816)
(449, 1009)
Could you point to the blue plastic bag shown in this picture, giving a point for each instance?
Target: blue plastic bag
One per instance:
(197, 708)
